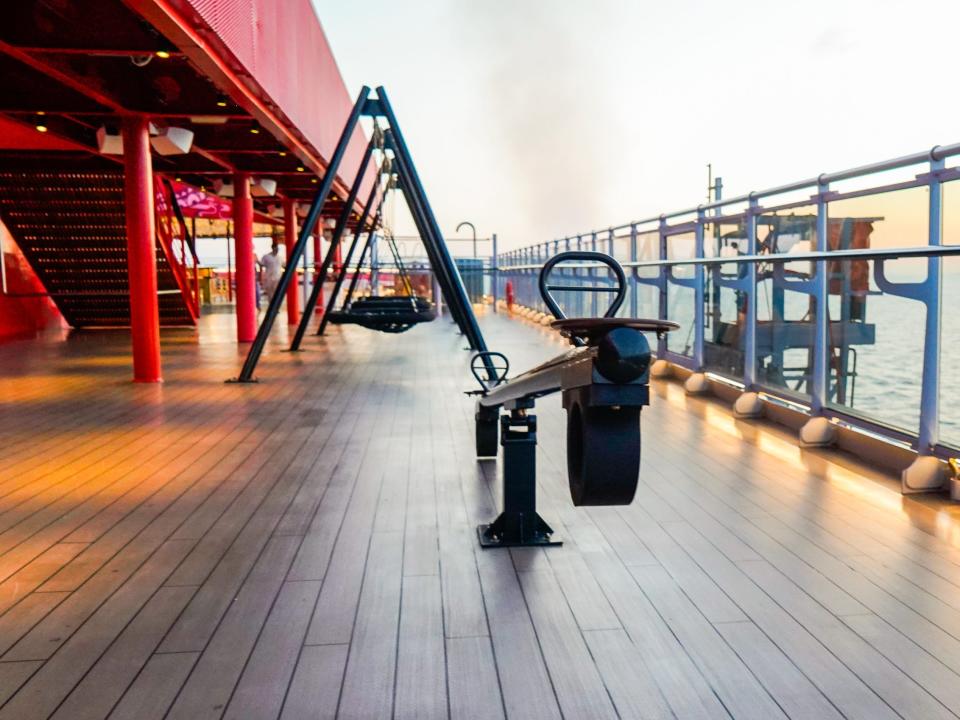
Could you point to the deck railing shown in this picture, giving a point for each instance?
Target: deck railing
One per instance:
(838, 294)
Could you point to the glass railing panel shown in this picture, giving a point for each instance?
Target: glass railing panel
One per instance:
(785, 312)
(724, 307)
(680, 299)
(875, 354)
(951, 213)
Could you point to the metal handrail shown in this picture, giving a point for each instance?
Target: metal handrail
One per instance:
(521, 265)
(832, 255)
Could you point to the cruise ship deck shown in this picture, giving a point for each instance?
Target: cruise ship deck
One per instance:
(306, 547)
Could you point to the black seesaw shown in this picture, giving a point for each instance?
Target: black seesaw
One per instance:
(604, 382)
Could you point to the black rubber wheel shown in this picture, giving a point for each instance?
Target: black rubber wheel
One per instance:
(488, 435)
(603, 454)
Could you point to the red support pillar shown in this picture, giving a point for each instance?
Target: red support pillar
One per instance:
(141, 251)
(245, 259)
(317, 262)
(289, 240)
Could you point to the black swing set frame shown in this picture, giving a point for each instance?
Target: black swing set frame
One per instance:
(603, 380)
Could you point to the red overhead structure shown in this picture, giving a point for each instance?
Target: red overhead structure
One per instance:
(264, 49)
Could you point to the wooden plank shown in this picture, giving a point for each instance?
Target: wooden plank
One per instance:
(368, 683)
(738, 688)
(472, 680)
(53, 682)
(628, 680)
(792, 690)
(152, 693)
(15, 674)
(576, 681)
(315, 688)
(212, 680)
(18, 621)
(263, 685)
(95, 695)
(524, 680)
(421, 685)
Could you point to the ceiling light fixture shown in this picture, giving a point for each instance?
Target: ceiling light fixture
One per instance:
(255, 131)
(172, 141)
(41, 128)
(300, 168)
(162, 54)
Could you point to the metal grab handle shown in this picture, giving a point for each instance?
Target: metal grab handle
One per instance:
(602, 258)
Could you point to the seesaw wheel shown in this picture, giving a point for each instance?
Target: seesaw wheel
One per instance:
(488, 432)
(603, 454)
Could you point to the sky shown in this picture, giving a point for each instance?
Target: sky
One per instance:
(536, 119)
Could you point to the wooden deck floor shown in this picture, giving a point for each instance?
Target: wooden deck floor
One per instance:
(305, 548)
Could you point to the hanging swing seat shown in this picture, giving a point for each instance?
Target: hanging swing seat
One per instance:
(391, 314)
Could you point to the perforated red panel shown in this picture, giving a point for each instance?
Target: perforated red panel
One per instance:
(283, 48)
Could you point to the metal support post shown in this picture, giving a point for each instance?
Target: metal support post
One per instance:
(494, 274)
(141, 251)
(820, 382)
(662, 286)
(634, 285)
(929, 432)
(246, 259)
(699, 292)
(750, 345)
(519, 524)
(290, 242)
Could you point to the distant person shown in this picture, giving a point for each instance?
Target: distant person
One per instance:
(270, 271)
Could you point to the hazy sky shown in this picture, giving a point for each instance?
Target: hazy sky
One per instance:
(538, 119)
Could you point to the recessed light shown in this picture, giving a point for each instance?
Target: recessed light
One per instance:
(41, 112)
(255, 131)
(313, 180)
(283, 154)
(299, 168)
(41, 128)
(221, 103)
(162, 54)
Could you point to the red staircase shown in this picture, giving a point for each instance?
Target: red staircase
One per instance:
(71, 228)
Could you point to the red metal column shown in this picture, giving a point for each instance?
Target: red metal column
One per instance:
(317, 262)
(289, 240)
(246, 269)
(141, 251)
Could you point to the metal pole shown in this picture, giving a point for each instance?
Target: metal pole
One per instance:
(472, 230)
(819, 383)
(634, 285)
(494, 274)
(750, 346)
(141, 251)
(246, 310)
(289, 241)
(331, 303)
(316, 207)
(929, 431)
(229, 263)
(699, 297)
(334, 245)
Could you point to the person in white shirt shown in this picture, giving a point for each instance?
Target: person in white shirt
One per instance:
(270, 271)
